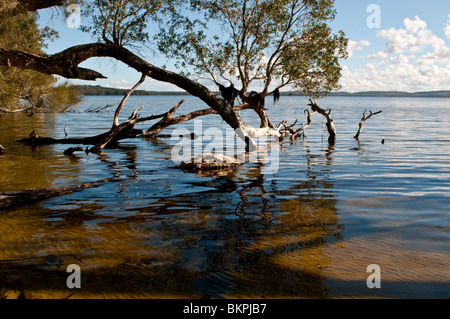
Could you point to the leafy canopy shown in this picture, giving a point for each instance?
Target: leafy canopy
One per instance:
(276, 43)
(121, 22)
(27, 88)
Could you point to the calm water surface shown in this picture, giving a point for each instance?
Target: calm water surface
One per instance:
(310, 230)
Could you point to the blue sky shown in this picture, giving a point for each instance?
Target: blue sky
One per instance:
(406, 49)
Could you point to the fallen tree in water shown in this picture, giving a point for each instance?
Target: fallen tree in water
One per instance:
(35, 140)
(28, 196)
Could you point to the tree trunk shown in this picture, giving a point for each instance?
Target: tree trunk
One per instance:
(264, 118)
(12, 7)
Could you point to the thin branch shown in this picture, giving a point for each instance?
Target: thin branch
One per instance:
(125, 98)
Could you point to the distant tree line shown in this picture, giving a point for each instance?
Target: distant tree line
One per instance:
(100, 90)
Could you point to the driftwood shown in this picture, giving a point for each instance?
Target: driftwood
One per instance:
(169, 120)
(289, 129)
(363, 121)
(330, 124)
(28, 196)
(72, 150)
(92, 140)
(116, 133)
(25, 110)
(209, 162)
(128, 124)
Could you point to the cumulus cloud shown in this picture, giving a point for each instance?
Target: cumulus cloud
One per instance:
(356, 46)
(414, 25)
(447, 28)
(415, 37)
(414, 59)
(379, 55)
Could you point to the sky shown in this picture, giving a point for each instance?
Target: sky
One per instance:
(401, 45)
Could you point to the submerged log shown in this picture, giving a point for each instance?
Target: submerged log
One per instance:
(209, 162)
(72, 150)
(28, 196)
(92, 140)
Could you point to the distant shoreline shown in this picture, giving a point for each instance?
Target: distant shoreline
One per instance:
(89, 90)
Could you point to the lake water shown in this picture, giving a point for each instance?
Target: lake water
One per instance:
(308, 230)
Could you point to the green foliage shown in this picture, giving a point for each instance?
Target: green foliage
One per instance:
(27, 88)
(122, 22)
(276, 43)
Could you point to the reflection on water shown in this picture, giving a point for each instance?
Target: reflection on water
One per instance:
(308, 231)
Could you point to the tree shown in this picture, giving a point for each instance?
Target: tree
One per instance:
(268, 44)
(121, 22)
(117, 35)
(22, 89)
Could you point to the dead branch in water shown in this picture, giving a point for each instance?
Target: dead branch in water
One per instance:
(28, 196)
(330, 124)
(363, 121)
(92, 140)
(302, 129)
(169, 120)
(116, 127)
(72, 150)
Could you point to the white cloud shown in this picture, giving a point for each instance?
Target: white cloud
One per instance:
(356, 46)
(398, 60)
(414, 25)
(400, 76)
(399, 40)
(447, 28)
(379, 55)
(415, 59)
(414, 38)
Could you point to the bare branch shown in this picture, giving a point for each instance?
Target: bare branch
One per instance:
(330, 124)
(122, 103)
(363, 121)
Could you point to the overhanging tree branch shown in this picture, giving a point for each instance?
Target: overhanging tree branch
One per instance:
(66, 63)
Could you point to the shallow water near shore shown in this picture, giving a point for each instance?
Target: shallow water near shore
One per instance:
(309, 230)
